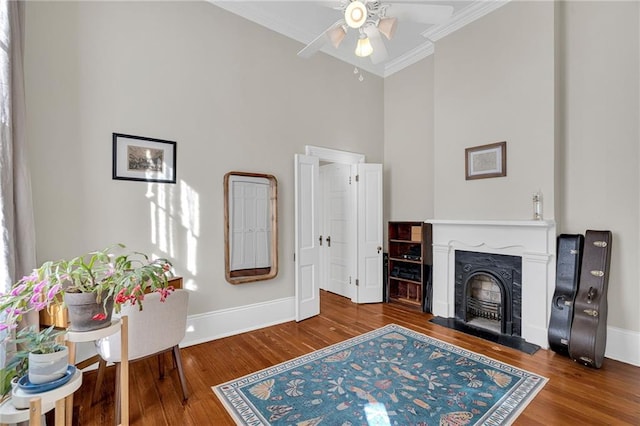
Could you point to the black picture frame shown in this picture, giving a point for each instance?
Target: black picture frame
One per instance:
(143, 159)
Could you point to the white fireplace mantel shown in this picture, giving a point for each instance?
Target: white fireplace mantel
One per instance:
(534, 241)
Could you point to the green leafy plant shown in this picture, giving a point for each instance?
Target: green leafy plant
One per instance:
(39, 342)
(125, 277)
(29, 340)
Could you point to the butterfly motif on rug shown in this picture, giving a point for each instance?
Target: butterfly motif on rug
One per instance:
(395, 336)
(339, 357)
(498, 378)
(278, 411)
(263, 389)
(457, 418)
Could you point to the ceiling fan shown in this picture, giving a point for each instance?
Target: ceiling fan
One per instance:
(369, 18)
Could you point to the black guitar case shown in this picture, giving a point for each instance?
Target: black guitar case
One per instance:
(569, 255)
(589, 329)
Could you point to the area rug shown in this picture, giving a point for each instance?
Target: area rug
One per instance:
(390, 376)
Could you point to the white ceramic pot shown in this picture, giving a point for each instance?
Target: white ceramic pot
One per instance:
(44, 368)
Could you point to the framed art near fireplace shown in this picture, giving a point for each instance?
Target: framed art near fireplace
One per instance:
(486, 161)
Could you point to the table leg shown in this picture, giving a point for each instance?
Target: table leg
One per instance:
(35, 412)
(60, 412)
(69, 399)
(124, 371)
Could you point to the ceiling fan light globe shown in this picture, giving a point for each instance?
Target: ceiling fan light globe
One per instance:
(336, 35)
(387, 26)
(364, 48)
(355, 14)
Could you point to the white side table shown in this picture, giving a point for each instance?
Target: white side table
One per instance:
(32, 405)
(74, 337)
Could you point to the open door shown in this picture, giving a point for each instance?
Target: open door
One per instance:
(307, 250)
(370, 234)
(337, 227)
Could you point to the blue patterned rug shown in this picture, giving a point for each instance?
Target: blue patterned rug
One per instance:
(390, 376)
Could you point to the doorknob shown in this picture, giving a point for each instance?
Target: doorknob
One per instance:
(329, 241)
(379, 248)
(320, 239)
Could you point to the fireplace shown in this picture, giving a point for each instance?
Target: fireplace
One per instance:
(488, 291)
(532, 242)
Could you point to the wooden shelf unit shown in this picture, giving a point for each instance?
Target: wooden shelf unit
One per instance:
(410, 261)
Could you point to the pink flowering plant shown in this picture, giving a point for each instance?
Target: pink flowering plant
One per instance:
(125, 277)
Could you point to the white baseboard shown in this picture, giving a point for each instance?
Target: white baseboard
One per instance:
(227, 322)
(623, 345)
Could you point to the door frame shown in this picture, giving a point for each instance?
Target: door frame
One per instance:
(334, 155)
(342, 157)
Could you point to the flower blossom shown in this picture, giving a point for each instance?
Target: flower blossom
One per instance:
(53, 291)
(38, 287)
(164, 292)
(19, 289)
(99, 317)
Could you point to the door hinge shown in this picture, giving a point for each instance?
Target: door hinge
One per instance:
(294, 257)
(357, 282)
(349, 280)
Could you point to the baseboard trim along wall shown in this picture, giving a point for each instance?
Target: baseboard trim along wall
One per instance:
(622, 345)
(228, 322)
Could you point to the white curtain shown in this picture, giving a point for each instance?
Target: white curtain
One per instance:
(17, 248)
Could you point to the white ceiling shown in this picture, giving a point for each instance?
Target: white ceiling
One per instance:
(304, 20)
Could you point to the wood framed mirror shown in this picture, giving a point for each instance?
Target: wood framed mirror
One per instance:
(250, 227)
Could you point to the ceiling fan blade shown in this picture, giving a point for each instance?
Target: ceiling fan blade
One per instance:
(333, 4)
(312, 48)
(379, 49)
(422, 13)
(329, 35)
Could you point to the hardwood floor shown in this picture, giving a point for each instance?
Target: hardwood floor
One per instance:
(574, 395)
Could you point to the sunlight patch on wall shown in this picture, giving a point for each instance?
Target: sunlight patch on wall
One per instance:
(162, 223)
(190, 219)
(190, 284)
(170, 205)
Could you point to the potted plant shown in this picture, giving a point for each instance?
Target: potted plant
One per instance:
(100, 279)
(40, 355)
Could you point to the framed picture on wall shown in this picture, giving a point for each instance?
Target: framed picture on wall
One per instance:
(143, 159)
(486, 161)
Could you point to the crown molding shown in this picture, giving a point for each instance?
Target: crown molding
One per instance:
(474, 11)
(414, 55)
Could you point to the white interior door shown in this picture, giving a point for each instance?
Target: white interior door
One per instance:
(370, 234)
(338, 231)
(307, 256)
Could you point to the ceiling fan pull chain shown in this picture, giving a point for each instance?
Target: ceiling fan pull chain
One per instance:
(356, 71)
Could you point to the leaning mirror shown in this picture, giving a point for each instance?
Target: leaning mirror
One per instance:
(251, 233)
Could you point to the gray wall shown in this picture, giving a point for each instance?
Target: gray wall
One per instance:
(568, 107)
(494, 82)
(408, 146)
(599, 94)
(544, 78)
(232, 94)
